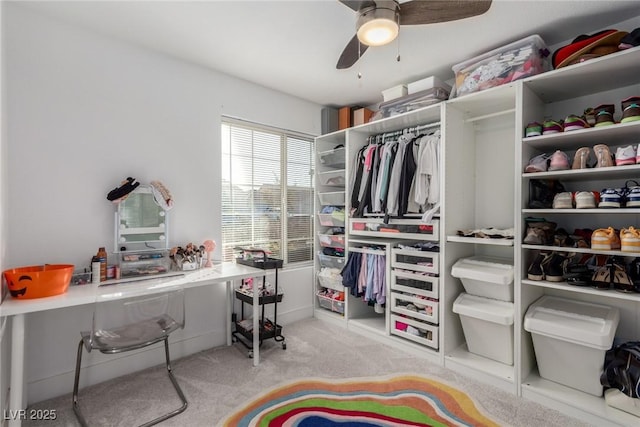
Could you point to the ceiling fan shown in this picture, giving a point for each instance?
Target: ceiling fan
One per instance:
(379, 21)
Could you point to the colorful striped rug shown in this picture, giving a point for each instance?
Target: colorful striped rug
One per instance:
(405, 400)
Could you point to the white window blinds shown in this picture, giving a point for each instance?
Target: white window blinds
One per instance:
(267, 191)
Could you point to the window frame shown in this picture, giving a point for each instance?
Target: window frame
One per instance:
(283, 134)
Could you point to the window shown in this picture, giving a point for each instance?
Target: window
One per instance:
(267, 191)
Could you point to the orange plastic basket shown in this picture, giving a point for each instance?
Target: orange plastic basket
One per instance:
(38, 281)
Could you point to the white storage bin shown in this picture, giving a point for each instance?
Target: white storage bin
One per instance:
(333, 158)
(331, 278)
(487, 325)
(334, 198)
(332, 178)
(427, 83)
(570, 339)
(485, 277)
(394, 92)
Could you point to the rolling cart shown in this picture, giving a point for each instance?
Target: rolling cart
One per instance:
(243, 333)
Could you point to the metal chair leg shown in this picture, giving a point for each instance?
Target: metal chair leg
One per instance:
(76, 405)
(176, 386)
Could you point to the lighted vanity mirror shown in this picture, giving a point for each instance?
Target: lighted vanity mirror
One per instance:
(140, 223)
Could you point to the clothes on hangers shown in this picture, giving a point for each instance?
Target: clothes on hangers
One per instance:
(365, 276)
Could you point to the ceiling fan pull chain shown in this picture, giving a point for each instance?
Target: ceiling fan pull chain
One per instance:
(398, 40)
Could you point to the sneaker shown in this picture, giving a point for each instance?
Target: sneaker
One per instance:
(559, 161)
(581, 158)
(630, 240)
(590, 116)
(604, 115)
(551, 126)
(563, 200)
(626, 155)
(539, 163)
(634, 273)
(605, 239)
(630, 109)
(603, 156)
(574, 122)
(632, 196)
(539, 231)
(533, 129)
(577, 274)
(611, 198)
(585, 200)
(553, 267)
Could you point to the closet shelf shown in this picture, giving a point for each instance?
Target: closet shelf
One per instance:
(607, 293)
(613, 172)
(579, 250)
(462, 356)
(596, 211)
(617, 134)
(480, 241)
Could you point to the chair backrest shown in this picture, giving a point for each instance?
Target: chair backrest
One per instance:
(129, 318)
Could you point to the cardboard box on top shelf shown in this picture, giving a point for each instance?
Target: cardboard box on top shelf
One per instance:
(344, 118)
(361, 116)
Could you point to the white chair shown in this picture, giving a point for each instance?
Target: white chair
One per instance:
(140, 319)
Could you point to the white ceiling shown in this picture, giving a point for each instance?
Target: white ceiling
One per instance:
(293, 46)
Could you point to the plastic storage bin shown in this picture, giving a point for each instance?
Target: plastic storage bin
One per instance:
(517, 60)
(331, 261)
(333, 178)
(570, 339)
(485, 277)
(487, 325)
(335, 219)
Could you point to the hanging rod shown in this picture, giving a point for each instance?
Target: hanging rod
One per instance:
(368, 251)
(490, 115)
(399, 132)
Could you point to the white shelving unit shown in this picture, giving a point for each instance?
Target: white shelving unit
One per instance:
(605, 80)
(483, 156)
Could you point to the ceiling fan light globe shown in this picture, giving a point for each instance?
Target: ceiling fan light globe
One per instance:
(378, 32)
(378, 26)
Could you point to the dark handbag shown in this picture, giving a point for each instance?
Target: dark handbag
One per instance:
(622, 369)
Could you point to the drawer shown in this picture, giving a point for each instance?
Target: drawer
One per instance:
(332, 178)
(331, 240)
(330, 303)
(414, 283)
(428, 333)
(424, 261)
(333, 158)
(332, 220)
(396, 228)
(332, 198)
(427, 309)
(330, 281)
(331, 261)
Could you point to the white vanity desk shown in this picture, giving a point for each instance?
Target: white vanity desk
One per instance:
(86, 294)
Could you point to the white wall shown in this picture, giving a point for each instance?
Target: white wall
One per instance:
(84, 112)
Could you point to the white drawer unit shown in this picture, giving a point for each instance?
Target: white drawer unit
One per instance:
(414, 283)
(408, 259)
(427, 310)
(427, 334)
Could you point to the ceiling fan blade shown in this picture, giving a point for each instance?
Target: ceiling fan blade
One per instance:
(351, 54)
(357, 5)
(430, 12)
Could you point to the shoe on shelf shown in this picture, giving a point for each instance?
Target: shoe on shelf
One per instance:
(559, 161)
(573, 122)
(605, 239)
(584, 234)
(603, 156)
(539, 231)
(577, 274)
(562, 238)
(630, 109)
(551, 126)
(542, 192)
(626, 155)
(604, 115)
(632, 195)
(590, 116)
(601, 278)
(533, 129)
(535, 271)
(634, 273)
(539, 163)
(581, 158)
(563, 200)
(612, 198)
(585, 200)
(620, 279)
(554, 267)
(630, 240)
